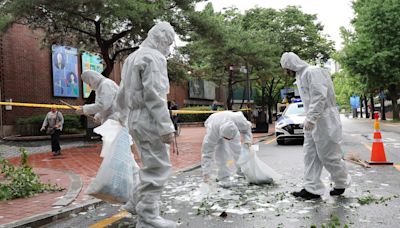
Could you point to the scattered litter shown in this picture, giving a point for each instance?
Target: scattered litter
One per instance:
(83, 213)
(364, 221)
(368, 181)
(384, 185)
(170, 210)
(293, 220)
(102, 214)
(303, 212)
(223, 214)
(73, 215)
(56, 207)
(358, 174)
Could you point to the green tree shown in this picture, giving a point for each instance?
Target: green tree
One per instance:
(288, 29)
(110, 27)
(373, 49)
(214, 48)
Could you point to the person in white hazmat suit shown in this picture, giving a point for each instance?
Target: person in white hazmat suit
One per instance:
(142, 104)
(322, 128)
(222, 141)
(106, 91)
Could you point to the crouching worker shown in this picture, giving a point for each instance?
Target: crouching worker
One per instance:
(106, 91)
(222, 140)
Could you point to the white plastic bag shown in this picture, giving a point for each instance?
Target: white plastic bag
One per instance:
(255, 170)
(117, 176)
(109, 131)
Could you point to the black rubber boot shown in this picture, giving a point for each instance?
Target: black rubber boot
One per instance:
(306, 195)
(337, 191)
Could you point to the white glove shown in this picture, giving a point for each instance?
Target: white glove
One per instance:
(79, 111)
(308, 126)
(96, 119)
(206, 178)
(247, 144)
(168, 138)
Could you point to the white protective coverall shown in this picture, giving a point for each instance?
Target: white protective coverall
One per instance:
(142, 100)
(106, 91)
(321, 145)
(221, 125)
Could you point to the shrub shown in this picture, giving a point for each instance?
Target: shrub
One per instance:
(72, 124)
(21, 182)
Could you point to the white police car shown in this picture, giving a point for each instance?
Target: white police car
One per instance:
(290, 125)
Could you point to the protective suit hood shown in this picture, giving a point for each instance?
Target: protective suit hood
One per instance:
(228, 130)
(291, 61)
(92, 78)
(160, 37)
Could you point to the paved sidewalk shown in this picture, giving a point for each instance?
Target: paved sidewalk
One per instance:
(84, 160)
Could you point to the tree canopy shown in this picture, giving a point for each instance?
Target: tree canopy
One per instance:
(372, 50)
(227, 41)
(110, 27)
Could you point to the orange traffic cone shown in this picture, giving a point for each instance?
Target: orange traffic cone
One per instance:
(378, 156)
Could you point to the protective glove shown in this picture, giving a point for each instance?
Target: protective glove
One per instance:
(247, 144)
(168, 138)
(79, 111)
(308, 126)
(206, 178)
(96, 119)
(42, 129)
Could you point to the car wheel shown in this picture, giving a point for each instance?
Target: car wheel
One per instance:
(280, 141)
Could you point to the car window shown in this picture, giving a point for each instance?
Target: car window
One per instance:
(294, 109)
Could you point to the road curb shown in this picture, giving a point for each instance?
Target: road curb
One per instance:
(51, 216)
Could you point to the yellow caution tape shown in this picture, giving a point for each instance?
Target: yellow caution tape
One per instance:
(186, 111)
(32, 105)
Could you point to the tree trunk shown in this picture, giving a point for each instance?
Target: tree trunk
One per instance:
(230, 91)
(394, 96)
(366, 106)
(263, 102)
(243, 97)
(109, 68)
(270, 113)
(372, 106)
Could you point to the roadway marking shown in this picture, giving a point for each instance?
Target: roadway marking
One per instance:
(111, 220)
(270, 141)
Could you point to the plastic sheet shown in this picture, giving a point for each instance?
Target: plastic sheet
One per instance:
(117, 176)
(255, 170)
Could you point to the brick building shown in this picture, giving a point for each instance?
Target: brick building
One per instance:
(26, 76)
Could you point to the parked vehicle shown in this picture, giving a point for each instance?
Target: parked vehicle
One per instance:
(290, 124)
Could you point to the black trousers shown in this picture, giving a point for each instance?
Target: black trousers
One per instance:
(55, 141)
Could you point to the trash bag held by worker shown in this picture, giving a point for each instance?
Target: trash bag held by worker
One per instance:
(255, 170)
(109, 131)
(117, 176)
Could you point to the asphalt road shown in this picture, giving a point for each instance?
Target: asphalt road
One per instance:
(373, 200)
